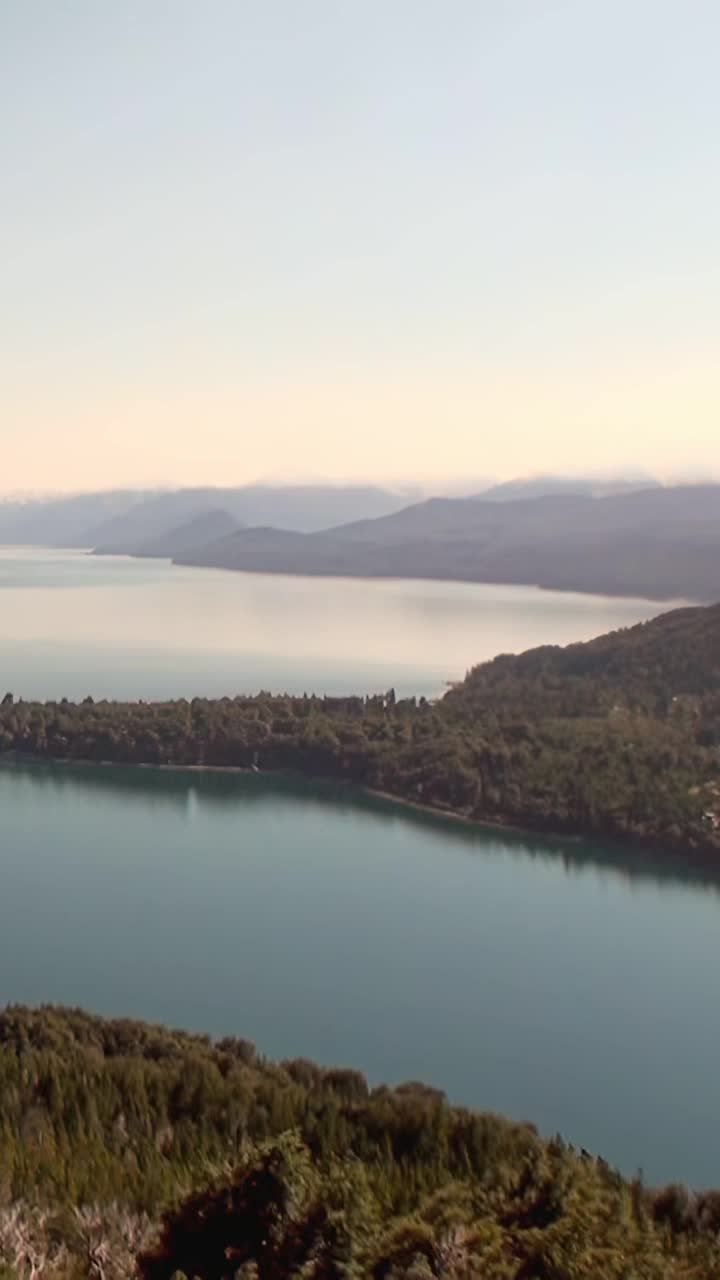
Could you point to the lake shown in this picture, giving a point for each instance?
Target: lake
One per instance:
(73, 624)
(534, 977)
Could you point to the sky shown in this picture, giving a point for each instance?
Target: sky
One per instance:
(389, 240)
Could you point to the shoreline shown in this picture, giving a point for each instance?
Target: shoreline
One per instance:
(666, 601)
(700, 857)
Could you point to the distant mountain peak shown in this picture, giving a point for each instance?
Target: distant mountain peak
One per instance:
(555, 486)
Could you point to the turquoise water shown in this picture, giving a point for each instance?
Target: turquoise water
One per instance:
(529, 977)
(72, 624)
(533, 977)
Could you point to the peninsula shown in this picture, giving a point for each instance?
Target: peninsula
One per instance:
(616, 737)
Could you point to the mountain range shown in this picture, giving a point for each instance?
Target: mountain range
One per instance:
(122, 521)
(660, 543)
(576, 535)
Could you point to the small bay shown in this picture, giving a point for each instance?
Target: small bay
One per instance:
(560, 982)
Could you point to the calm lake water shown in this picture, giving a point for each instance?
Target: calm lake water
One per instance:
(532, 977)
(72, 624)
(536, 978)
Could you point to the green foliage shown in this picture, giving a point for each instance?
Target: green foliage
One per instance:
(552, 1218)
(620, 736)
(279, 1214)
(331, 1179)
(95, 1111)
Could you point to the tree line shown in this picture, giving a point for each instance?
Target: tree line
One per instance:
(620, 736)
(118, 1138)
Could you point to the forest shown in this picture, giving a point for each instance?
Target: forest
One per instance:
(129, 1150)
(121, 1141)
(618, 737)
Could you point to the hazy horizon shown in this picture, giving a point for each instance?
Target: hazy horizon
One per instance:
(358, 243)
(412, 490)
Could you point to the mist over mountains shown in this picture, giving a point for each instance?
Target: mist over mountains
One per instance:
(124, 520)
(610, 538)
(657, 543)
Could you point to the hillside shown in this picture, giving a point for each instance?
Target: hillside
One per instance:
(659, 543)
(205, 527)
(618, 737)
(298, 507)
(123, 520)
(61, 522)
(105, 1123)
(649, 667)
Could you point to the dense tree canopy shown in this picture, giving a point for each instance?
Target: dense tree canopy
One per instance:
(552, 1217)
(297, 1171)
(619, 736)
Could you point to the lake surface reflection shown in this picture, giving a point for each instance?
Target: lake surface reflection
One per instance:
(74, 624)
(558, 981)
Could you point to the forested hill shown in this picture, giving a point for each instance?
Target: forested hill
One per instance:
(617, 737)
(645, 667)
(618, 733)
(106, 1123)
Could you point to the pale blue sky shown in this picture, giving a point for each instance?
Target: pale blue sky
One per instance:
(384, 239)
